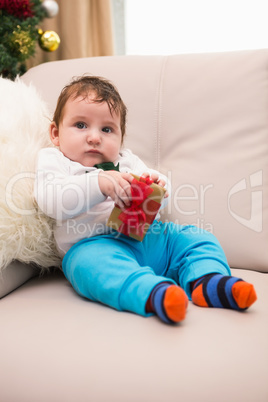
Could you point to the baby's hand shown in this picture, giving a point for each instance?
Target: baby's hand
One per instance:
(156, 179)
(117, 186)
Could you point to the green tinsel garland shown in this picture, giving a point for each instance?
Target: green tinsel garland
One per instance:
(18, 38)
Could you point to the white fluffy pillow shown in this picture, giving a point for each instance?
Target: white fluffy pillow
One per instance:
(25, 232)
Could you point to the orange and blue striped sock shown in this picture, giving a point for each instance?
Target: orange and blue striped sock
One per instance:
(169, 302)
(217, 290)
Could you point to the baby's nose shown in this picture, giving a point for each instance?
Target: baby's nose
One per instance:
(93, 136)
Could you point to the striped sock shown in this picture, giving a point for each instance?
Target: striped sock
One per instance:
(217, 290)
(169, 302)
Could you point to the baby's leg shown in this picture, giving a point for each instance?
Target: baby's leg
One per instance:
(105, 269)
(197, 254)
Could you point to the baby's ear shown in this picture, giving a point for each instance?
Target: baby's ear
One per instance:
(54, 134)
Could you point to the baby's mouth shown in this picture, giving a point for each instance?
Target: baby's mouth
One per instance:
(93, 151)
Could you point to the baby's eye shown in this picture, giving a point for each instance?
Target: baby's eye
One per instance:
(107, 130)
(80, 125)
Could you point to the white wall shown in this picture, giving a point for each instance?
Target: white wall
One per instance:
(185, 26)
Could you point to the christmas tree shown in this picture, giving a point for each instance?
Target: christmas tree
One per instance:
(19, 20)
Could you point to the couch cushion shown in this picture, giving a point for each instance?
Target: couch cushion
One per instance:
(213, 143)
(57, 346)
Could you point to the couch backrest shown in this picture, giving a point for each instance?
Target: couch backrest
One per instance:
(203, 120)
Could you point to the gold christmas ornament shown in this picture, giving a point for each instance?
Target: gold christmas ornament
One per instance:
(48, 40)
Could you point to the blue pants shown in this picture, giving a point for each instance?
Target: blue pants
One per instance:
(121, 272)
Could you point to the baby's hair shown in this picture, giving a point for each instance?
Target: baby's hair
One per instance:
(103, 91)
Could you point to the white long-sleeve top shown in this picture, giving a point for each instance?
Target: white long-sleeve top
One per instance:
(69, 192)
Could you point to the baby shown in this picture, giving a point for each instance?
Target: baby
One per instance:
(156, 276)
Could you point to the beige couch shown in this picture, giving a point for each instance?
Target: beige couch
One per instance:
(203, 120)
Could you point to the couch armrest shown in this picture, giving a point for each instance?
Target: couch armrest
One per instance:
(15, 275)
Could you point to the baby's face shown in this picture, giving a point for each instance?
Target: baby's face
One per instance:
(88, 133)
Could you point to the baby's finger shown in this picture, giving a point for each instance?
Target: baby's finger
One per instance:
(127, 189)
(126, 192)
(166, 194)
(145, 175)
(128, 177)
(155, 177)
(161, 182)
(123, 192)
(119, 202)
